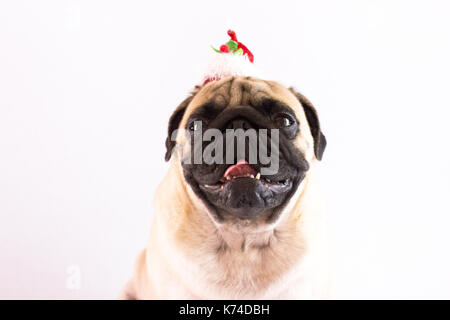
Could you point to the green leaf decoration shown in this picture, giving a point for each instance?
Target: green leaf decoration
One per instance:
(218, 51)
(232, 45)
(239, 51)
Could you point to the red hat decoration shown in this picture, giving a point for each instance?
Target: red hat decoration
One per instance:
(233, 59)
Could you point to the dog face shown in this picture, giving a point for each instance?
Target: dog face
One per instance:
(241, 185)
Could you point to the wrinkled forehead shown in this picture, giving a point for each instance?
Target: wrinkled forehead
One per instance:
(241, 91)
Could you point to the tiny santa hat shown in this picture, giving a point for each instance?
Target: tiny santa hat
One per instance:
(232, 59)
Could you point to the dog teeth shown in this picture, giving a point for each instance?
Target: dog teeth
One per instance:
(258, 176)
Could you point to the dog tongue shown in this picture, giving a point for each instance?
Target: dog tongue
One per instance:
(242, 168)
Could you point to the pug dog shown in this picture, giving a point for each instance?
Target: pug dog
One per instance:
(235, 230)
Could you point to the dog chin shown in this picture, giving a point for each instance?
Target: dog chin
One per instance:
(247, 197)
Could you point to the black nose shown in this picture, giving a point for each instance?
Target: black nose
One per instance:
(239, 123)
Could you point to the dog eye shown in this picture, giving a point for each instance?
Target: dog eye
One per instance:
(195, 125)
(282, 121)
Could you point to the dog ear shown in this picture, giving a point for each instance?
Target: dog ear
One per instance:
(174, 122)
(313, 120)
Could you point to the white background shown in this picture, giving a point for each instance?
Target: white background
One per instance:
(87, 87)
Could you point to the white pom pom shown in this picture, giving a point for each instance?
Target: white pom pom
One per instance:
(221, 65)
